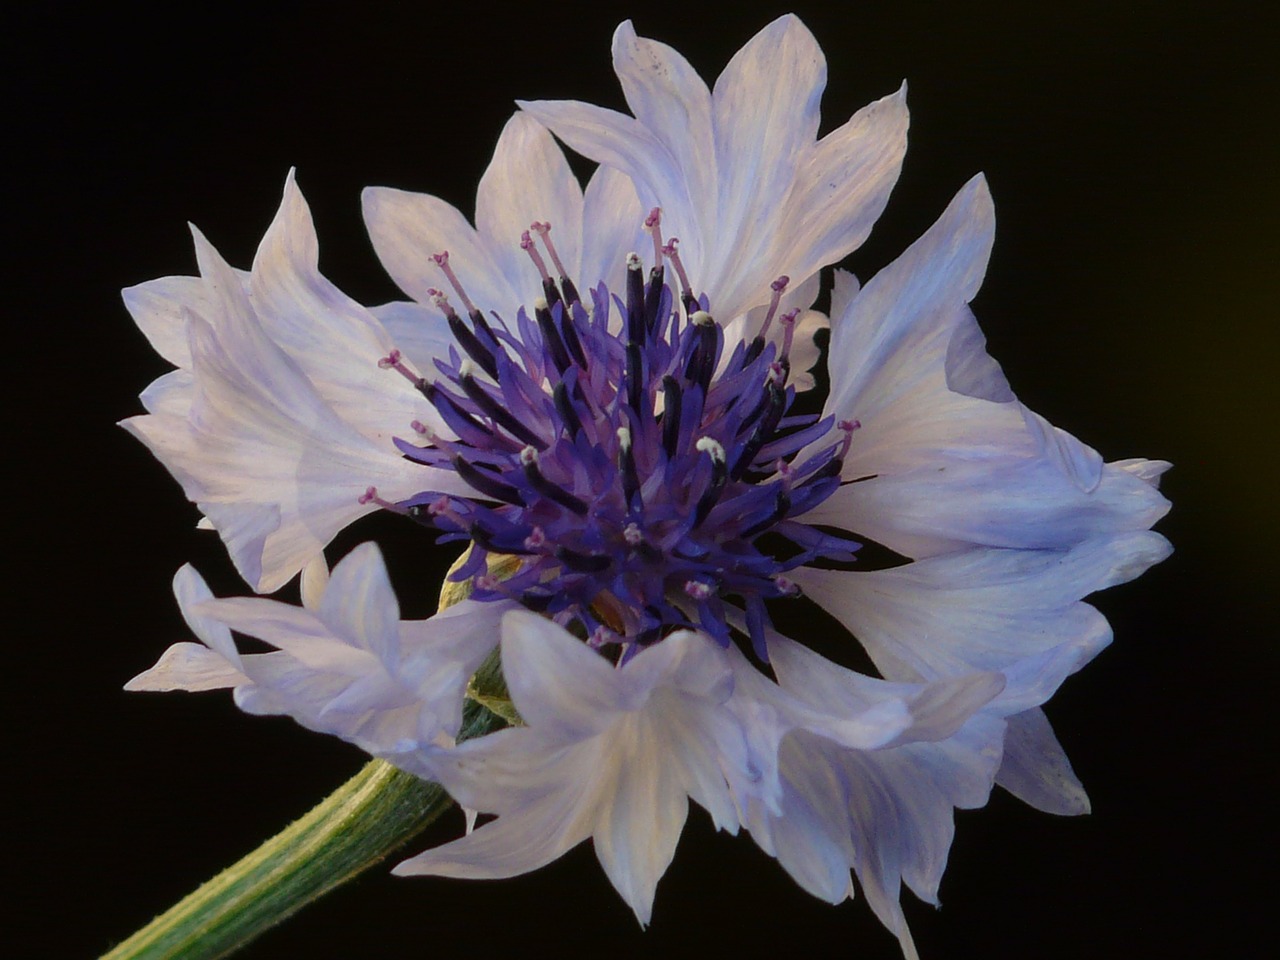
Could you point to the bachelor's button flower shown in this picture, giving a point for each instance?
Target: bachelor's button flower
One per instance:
(629, 436)
(345, 664)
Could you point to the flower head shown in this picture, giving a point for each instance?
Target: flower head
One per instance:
(608, 409)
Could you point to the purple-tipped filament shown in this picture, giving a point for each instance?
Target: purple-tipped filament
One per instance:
(651, 479)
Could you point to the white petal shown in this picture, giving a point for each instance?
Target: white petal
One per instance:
(315, 578)
(641, 820)
(334, 341)
(527, 180)
(666, 94)
(1036, 769)
(360, 605)
(419, 332)
(188, 666)
(622, 142)
(612, 227)
(561, 687)
(1013, 501)
(170, 394)
(842, 187)
(506, 847)
(765, 116)
(980, 609)
(190, 590)
(877, 345)
(408, 228)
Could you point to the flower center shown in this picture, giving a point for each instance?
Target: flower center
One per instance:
(637, 474)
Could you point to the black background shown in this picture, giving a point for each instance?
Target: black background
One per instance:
(1132, 299)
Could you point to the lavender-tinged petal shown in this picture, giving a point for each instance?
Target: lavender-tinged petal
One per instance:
(559, 685)
(527, 180)
(765, 117)
(666, 94)
(842, 187)
(407, 229)
(1036, 769)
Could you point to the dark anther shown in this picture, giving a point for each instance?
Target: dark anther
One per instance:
(568, 326)
(630, 476)
(487, 484)
(469, 430)
(653, 299)
(551, 338)
(564, 406)
(551, 292)
(670, 414)
(570, 291)
(635, 373)
(780, 508)
(635, 304)
(775, 406)
(583, 562)
(471, 344)
(754, 349)
(482, 326)
(551, 491)
(702, 359)
(711, 496)
(499, 414)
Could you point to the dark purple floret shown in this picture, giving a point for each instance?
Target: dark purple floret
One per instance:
(645, 469)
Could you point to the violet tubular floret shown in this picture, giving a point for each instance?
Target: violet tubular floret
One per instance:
(636, 465)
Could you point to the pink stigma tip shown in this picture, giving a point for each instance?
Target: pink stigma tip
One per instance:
(697, 589)
(780, 284)
(369, 496)
(390, 360)
(654, 218)
(441, 258)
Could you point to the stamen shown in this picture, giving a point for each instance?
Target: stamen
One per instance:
(702, 360)
(536, 540)
(788, 321)
(719, 474)
(635, 299)
(777, 287)
(442, 261)
(627, 467)
(671, 400)
(529, 460)
(848, 427)
(529, 247)
(601, 636)
(564, 407)
(486, 483)
(711, 446)
(495, 411)
(394, 361)
(632, 535)
(670, 252)
(370, 495)
(698, 590)
(470, 343)
(653, 223)
(788, 588)
(550, 335)
(543, 230)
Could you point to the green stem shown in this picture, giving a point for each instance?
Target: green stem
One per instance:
(361, 823)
